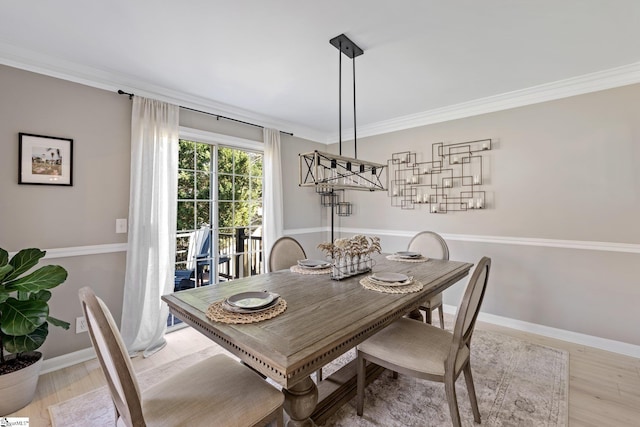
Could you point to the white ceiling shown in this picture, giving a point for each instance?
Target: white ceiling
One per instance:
(270, 62)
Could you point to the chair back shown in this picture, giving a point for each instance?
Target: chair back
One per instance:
(470, 306)
(429, 244)
(285, 252)
(113, 358)
(199, 243)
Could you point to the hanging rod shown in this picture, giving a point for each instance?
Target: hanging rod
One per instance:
(217, 116)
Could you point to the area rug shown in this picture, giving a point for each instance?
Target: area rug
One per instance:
(517, 384)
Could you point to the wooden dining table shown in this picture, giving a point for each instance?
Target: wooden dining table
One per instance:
(324, 319)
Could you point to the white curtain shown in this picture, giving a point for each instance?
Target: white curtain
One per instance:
(272, 217)
(152, 224)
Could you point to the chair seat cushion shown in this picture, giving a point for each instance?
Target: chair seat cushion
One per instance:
(415, 346)
(217, 391)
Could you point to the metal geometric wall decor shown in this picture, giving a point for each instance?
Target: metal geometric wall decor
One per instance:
(451, 181)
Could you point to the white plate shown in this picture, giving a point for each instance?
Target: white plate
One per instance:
(313, 263)
(228, 307)
(251, 300)
(391, 284)
(407, 254)
(390, 277)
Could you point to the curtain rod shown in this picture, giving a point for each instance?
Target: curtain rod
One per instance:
(217, 116)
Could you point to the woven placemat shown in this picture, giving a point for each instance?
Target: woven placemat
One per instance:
(216, 313)
(397, 258)
(415, 286)
(300, 270)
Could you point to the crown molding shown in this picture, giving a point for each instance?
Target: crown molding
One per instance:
(587, 83)
(111, 81)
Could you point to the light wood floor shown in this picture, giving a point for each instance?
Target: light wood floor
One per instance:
(604, 387)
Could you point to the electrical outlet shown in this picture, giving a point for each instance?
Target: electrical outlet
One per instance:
(81, 325)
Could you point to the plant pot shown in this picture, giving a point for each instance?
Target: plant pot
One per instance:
(18, 388)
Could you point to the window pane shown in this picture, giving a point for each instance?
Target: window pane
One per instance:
(241, 162)
(241, 214)
(203, 213)
(241, 188)
(182, 246)
(255, 212)
(225, 187)
(185, 185)
(256, 164)
(203, 158)
(226, 244)
(225, 160)
(256, 188)
(225, 214)
(203, 185)
(185, 155)
(186, 212)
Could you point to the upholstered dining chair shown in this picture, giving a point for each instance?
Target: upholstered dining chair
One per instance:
(431, 245)
(424, 351)
(285, 252)
(217, 390)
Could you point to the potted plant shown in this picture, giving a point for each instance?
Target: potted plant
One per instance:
(24, 323)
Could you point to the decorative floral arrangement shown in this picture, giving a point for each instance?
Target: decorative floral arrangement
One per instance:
(355, 246)
(351, 256)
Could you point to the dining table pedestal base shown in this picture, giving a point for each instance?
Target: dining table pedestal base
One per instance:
(300, 402)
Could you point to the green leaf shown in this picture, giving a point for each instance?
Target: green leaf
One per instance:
(42, 295)
(23, 261)
(46, 277)
(57, 322)
(29, 342)
(4, 270)
(4, 257)
(22, 317)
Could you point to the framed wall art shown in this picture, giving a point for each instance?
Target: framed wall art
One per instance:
(46, 160)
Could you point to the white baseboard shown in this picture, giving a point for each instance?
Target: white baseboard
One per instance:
(66, 360)
(560, 334)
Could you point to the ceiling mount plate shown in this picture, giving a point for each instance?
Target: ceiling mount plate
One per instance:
(346, 46)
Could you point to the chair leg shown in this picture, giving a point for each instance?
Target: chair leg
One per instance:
(472, 392)
(450, 390)
(428, 315)
(360, 369)
(280, 418)
(441, 315)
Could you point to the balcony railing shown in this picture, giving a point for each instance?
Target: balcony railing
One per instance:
(239, 255)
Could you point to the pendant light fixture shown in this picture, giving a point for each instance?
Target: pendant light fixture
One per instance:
(328, 172)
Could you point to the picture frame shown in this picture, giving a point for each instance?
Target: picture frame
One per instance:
(45, 160)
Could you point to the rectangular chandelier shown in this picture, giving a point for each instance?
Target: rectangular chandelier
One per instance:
(328, 171)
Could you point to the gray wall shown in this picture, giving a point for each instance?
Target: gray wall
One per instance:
(51, 217)
(561, 170)
(565, 170)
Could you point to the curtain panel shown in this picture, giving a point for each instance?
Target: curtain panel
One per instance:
(272, 220)
(152, 224)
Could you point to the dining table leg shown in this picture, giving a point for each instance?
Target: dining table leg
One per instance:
(299, 401)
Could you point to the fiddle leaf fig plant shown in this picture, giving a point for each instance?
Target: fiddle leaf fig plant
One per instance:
(24, 307)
